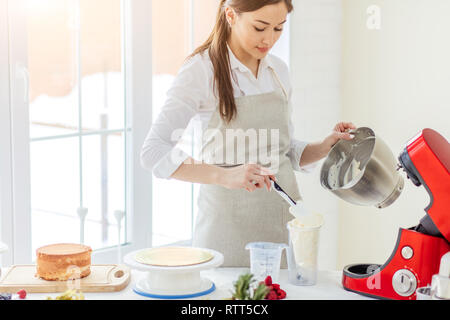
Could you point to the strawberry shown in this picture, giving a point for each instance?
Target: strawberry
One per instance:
(282, 294)
(22, 294)
(268, 281)
(272, 296)
(275, 293)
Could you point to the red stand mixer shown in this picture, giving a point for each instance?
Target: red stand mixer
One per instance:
(367, 174)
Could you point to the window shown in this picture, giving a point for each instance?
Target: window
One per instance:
(80, 82)
(76, 117)
(173, 220)
(76, 108)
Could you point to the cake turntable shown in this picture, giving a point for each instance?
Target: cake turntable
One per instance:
(174, 282)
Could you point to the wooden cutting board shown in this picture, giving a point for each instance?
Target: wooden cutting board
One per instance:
(103, 278)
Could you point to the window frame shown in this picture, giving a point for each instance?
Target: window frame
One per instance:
(6, 230)
(15, 200)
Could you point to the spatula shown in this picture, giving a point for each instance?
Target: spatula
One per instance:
(298, 210)
(282, 193)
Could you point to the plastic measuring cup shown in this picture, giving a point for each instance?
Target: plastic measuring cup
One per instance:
(265, 259)
(303, 249)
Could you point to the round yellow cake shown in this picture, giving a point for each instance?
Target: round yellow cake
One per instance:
(63, 261)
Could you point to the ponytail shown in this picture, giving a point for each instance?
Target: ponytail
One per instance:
(218, 53)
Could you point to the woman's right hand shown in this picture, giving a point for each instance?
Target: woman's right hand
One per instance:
(247, 176)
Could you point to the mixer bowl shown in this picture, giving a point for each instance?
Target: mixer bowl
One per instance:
(362, 171)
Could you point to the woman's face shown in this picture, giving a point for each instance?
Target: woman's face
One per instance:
(257, 32)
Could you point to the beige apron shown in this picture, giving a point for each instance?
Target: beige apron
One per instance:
(229, 219)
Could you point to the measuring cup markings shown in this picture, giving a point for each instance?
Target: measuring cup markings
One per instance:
(265, 258)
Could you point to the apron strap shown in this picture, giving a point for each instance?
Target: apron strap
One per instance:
(277, 78)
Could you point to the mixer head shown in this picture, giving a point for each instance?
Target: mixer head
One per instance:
(426, 161)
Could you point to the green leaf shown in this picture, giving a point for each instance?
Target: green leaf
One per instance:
(260, 292)
(242, 290)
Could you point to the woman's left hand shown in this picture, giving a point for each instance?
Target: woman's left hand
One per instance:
(340, 131)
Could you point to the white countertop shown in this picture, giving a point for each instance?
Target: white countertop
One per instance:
(328, 287)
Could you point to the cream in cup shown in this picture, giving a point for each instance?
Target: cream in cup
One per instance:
(303, 249)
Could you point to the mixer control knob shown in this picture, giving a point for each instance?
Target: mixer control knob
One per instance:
(404, 282)
(407, 252)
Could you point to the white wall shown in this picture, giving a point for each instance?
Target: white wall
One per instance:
(395, 80)
(315, 34)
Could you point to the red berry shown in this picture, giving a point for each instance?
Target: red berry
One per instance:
(22, 294)
(268, 281)
(282, 294)
(275, 286)
(272, 296)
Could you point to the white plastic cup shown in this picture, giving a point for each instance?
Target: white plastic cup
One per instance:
(303, 249)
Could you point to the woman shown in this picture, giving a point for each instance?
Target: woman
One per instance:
(231, 84)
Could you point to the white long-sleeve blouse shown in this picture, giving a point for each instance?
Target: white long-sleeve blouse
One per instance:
(191, 98)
